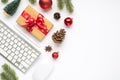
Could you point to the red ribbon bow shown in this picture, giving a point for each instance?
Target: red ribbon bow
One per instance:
(31, 22)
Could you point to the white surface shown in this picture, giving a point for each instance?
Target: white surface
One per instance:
(91, 49)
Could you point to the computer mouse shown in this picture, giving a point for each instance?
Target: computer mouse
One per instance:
(43, 71)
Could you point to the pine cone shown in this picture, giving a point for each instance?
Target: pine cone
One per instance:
(59, 36)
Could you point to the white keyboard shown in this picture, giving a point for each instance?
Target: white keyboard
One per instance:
(15, 49)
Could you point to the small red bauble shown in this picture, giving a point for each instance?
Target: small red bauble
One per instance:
(68, 21)
(55, 55)
(45, 4)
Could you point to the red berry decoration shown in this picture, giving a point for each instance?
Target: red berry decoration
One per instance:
(45, 4)
(68, 21)
(55, 55)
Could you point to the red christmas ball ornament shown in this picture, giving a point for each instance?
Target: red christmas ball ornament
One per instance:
(45, 4)
(68, 21)
(55, 55)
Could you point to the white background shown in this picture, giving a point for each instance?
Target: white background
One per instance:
(91, 49)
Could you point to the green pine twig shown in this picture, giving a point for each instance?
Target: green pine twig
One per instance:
(60, 4)
(69, 5)
(4, 1)
(8, 73)
(4, 76)
(32, 1)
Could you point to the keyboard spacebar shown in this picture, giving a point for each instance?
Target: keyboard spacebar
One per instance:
(3, 53)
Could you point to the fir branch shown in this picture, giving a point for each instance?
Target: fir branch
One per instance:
(4, 1)
(69, 5)
(4, 76)
(32, 1)
(60, 4)
(8, 74)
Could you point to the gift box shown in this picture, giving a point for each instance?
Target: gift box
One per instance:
(34, 22)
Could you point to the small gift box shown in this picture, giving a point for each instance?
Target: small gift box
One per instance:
(34, 22)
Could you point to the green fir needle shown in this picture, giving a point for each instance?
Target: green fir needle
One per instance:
(60, 4)
(32, 1)
(69, 5)
(8, 73)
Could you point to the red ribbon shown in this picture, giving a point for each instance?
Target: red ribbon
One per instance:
(31, 22)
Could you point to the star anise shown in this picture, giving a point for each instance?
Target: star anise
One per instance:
(48, 48)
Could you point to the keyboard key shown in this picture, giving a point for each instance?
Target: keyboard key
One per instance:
(8, 30)
(13, 60)
(5, 32)
(5, 54)
(8, 35)
(15, 36)
(19, 44)
(16, 64)
(23, 58)
(13, 49)
(4, 27)
(28, 57)
(20, 55)
(20, 67)
(9, 51)
(16, 52)
(22, 46)
(12, 54)
(25, 54)
(2, 46)
(15, 57)
(33, 55)
(12, 38)
(22, 42)
(29, 48)
(14, 45)
(8, 40)
(9, 46)
(25, 65)
(37, 54)
(1, 24)
(10, 58)
(5, 48)
(1, 30)
(19, 60)
(11, 33)
(6, 44)
(22, 51)
(3, 41)
(32, 59)
(29, 52)
(26, 49)
(23, 69)
(11, 43)
(4, 37)
(28, 62)
(1, 35)
(18, 48)
(19, 39)
(16, 41)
